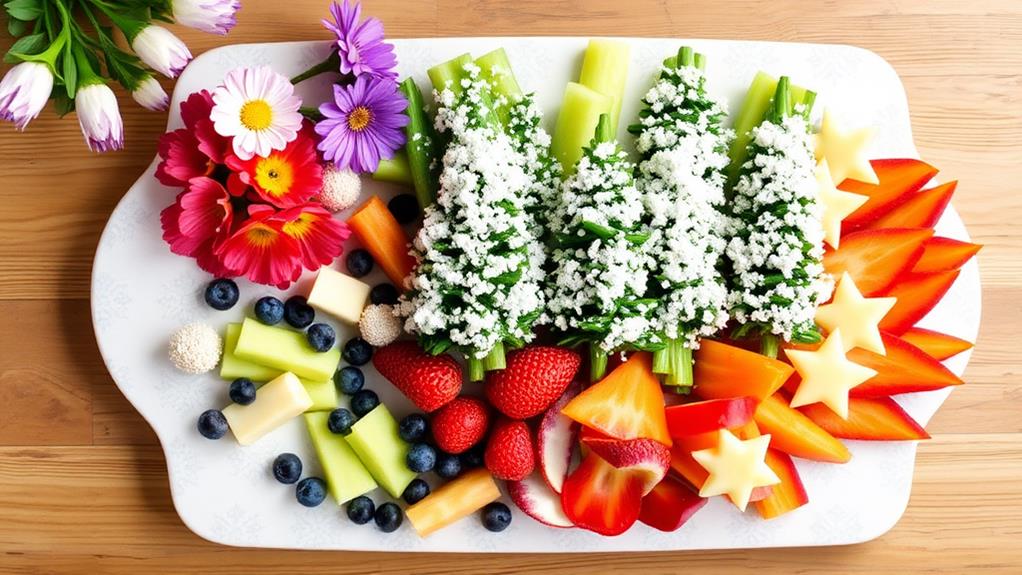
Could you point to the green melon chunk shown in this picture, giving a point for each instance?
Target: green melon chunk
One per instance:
(323, 394)
(605, 69)
(285, 350)
(375, 439)
(232, 367)
(346, 477)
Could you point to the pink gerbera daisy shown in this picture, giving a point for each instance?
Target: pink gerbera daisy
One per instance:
(319, 235)
(198, 221)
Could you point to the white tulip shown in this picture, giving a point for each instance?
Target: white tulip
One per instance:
(161, 50)
(99, 117)
(24, 91)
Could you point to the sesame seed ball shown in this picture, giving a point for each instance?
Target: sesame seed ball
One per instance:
(195, 348)
(379, 325)
(341, 188)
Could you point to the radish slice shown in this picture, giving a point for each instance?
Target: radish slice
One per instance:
(556, 440)
(535, 498)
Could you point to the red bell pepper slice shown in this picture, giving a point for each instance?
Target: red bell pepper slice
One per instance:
(789, 494)
(921, 210)
(903, 369)
(711, 415)
(899, 178)
(944, 254)
(871, 419)
(939, 346)
(876, 258)
(917, 294)
(670, 505)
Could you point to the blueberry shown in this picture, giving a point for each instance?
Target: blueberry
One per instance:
(222, 294)
(496, 517)
(359, 263)
(388, 517)
(311, 491)
(361, 510)
(269, 310)
(404, 207)
(298, 313)
(349, 380)
(364, 401)
(212, 424)
(287, 468)
(383, 293)
(242, 391)
(413, 427)
(447, 466)
(416, 491)
(357, 351)
(472, 458)
(340, 421)
(321, 337)
(421, 458)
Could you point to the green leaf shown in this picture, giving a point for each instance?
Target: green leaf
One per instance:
(26, 46)
(24, 9)
(62, 104)
(70, 74)
(16, 27)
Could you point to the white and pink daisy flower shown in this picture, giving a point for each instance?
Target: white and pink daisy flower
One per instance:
(258, 108)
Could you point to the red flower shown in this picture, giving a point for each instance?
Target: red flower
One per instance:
(198, 221)
(195, 150)
(260, 251)
(285, 178)
(318, 234)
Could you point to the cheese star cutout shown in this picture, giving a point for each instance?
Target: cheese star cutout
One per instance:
(827, 375)
(837, 204)
(845, 151)
(857, 317)
(736, 467)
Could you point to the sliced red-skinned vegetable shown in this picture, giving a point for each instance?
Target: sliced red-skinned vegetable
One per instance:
(917, 294)
(723, 371)
(709, 415)
(556, 440)
(535, 498)
(647, 458)
(670, 505)
(920, 210)
(942, 254)
(877, 258)
(871, 419)
(795, 434)
(939, 346)
(601, 498)
(789, 494)
(899, 178)
(903, 369)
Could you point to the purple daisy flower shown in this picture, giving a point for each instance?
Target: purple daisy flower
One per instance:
(360, 44)
(363, 124)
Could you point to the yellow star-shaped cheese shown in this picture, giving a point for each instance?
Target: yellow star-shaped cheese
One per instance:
(836, 204)
(855, 316)
(827, 375)
(845, 151)
(736, 467)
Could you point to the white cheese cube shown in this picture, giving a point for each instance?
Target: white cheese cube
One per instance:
(339, 295)
(276, 402)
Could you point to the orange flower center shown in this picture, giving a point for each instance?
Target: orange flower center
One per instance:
(261, 236)
(256, 115)
(359, 118)
(274, 175)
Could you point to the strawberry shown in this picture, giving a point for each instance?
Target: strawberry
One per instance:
(429, 381)
(533, 379)
(460, 424)
(510, 453)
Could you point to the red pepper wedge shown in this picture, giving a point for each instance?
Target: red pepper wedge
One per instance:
(876, 258)
(942, 254)
(920, 210)
(789, 494)
(686, 466)
(899, 178)
(869, 418)
(903, 369)
(670, 505)
(795, 434)
(711, 415)
(917, 294)
(939, 346)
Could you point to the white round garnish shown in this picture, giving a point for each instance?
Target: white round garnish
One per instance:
(195, 348)
(379, 325)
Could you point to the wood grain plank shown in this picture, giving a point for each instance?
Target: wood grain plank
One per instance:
(115, 513)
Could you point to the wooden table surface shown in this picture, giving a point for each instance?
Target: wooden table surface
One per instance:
(83, 486)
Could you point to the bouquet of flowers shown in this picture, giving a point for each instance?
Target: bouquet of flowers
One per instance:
(68, 51)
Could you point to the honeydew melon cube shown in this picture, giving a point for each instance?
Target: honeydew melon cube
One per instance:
(346, 477)
(276, 403)
(339, 295)
(232, 367)
(285, 350)
(323, 394)
(375, 440)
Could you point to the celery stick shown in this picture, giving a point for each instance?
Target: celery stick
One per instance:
(580, 112)
(755, 105)
(394, 170)
(495, 68)
(420, 145)
(605, 70)
(449, 74)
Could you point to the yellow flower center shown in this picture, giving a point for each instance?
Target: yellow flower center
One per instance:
(300, 226)
(256, 115)
(274, 175)
(359, 118)
(261, 236)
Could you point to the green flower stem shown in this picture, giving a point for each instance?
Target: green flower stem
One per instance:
(475, 369)
(495, 360)
(597, 362)
(331, 64)
(769, 345)
(310, 113)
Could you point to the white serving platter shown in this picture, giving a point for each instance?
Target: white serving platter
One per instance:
(226, 493)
